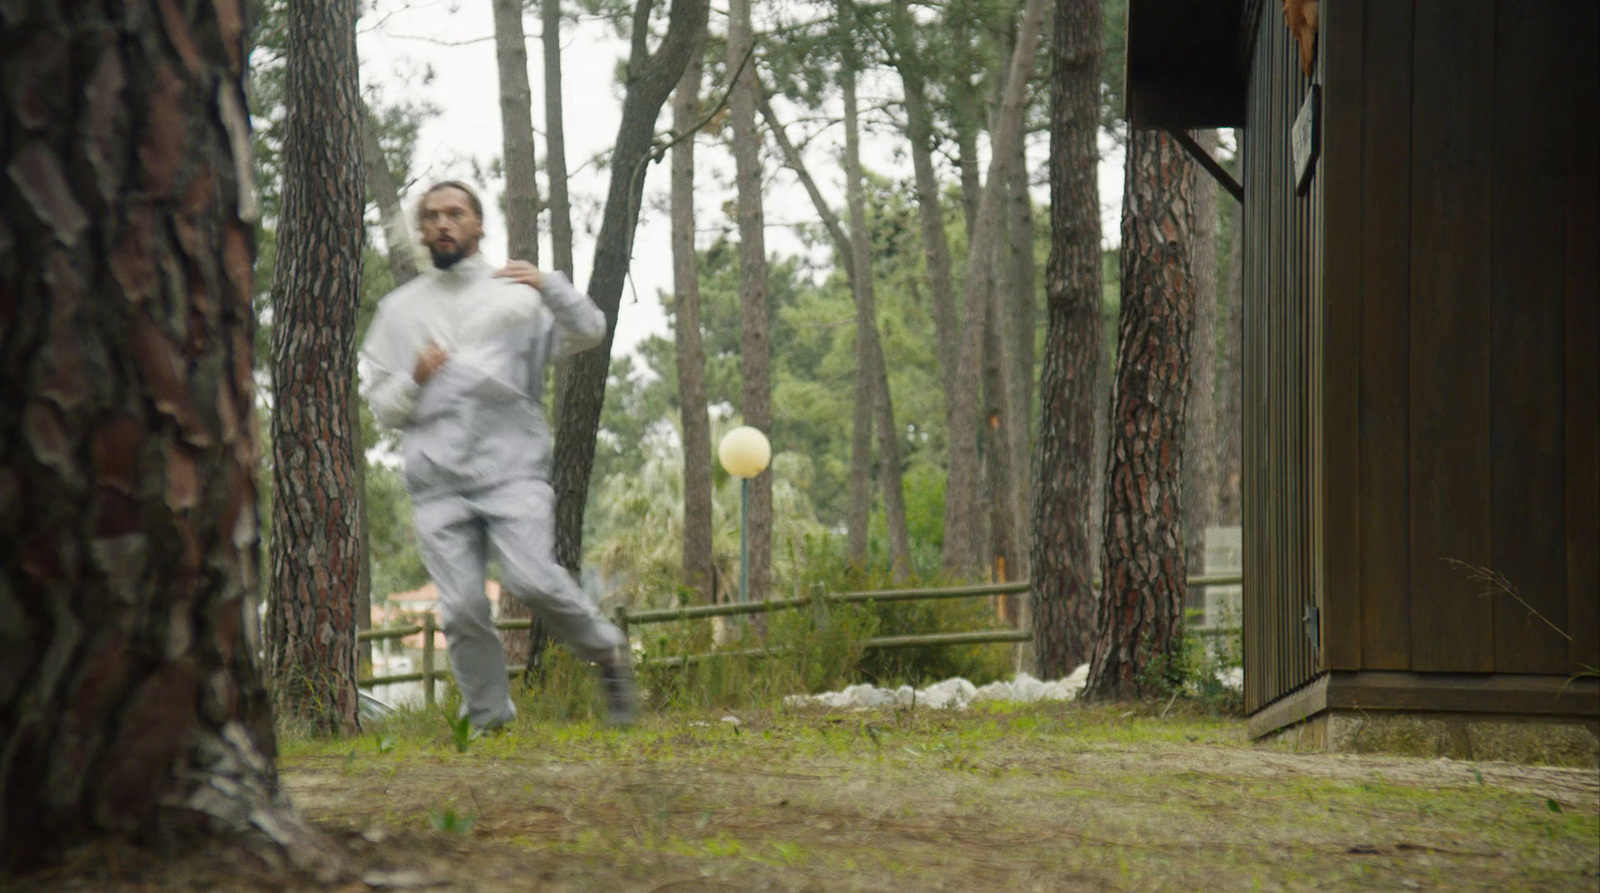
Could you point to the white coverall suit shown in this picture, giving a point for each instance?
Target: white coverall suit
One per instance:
(477, 456)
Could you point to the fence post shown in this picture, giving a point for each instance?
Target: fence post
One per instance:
(427, 659)
(622, 624)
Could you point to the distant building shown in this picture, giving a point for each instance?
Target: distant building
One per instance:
(401, 608)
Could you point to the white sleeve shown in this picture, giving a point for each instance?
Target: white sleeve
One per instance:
(392, 394)
(579, 324)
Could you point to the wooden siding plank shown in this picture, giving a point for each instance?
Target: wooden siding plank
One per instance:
(1532, 129)
(1339, 261)
(1582, 337)
(1385, 526)
(1451, 628)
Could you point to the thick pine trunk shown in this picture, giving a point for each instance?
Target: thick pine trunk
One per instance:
(697, 459)
(130, 691)
(1063, 598)
(1200, 446)
(962, 537)
(651, 79)
(316, 549)
(1140, 628)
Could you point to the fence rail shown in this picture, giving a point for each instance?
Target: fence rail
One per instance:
(428, 628)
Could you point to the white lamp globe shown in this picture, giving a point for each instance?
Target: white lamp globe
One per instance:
(744, 452)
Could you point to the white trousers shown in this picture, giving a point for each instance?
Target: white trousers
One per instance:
(517, 519)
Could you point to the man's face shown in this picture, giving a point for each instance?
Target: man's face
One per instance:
(450, 228)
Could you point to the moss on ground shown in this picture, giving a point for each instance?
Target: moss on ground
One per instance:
(1039, 797)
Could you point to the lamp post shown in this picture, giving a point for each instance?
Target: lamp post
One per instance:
(744, 453)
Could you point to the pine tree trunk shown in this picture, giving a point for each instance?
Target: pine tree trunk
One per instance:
(316, 549)
(962, 537)
(516, 134)
(555, 163)
(1229, 409)
(996, 425)
(524, 647)
(697, 458)
(583, 393)
(1023, 313)
(555, 127)
(858, 512)
(380, 182)
(889, 472)
(402, 269)
(1063, 598)
(935, 243)
(755, 311)
(1200, 446)
(1140, 628)
(131, 697)
(967, 116)
(996, 460)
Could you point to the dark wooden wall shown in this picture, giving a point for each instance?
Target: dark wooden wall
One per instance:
(1423, 344)
(1282, 333)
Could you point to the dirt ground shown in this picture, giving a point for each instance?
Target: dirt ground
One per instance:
(1048, 798)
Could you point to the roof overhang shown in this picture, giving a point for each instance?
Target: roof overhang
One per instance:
(1188, 62)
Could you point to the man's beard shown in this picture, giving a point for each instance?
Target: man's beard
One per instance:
(445, 258)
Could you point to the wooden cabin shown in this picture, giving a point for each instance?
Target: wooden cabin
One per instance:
(1421, 324)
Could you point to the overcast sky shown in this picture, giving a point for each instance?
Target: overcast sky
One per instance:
(456, 38)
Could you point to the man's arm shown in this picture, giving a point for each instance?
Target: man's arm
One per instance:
(579, 323)
(392, 395)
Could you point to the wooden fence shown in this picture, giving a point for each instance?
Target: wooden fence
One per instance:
(626, 620)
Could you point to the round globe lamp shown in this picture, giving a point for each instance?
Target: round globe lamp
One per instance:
(744, 453)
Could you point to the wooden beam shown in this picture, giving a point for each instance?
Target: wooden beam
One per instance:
(1217, 171)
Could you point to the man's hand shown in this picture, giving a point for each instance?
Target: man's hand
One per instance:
(523, 272)
(428, 362)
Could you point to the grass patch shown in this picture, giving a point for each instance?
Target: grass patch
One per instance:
(1049, 796)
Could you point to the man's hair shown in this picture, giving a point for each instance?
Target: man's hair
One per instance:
(472, 197)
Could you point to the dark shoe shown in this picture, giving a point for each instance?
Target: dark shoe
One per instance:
(618, 689)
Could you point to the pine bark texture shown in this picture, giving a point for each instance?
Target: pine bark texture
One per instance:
(962, 526)
(755, 360)
(516, 133)
(650, 79)
(696, 423)
(130, 695)
(1200, 447)
(316, 549)
(1063, 597)
(1140, 627)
